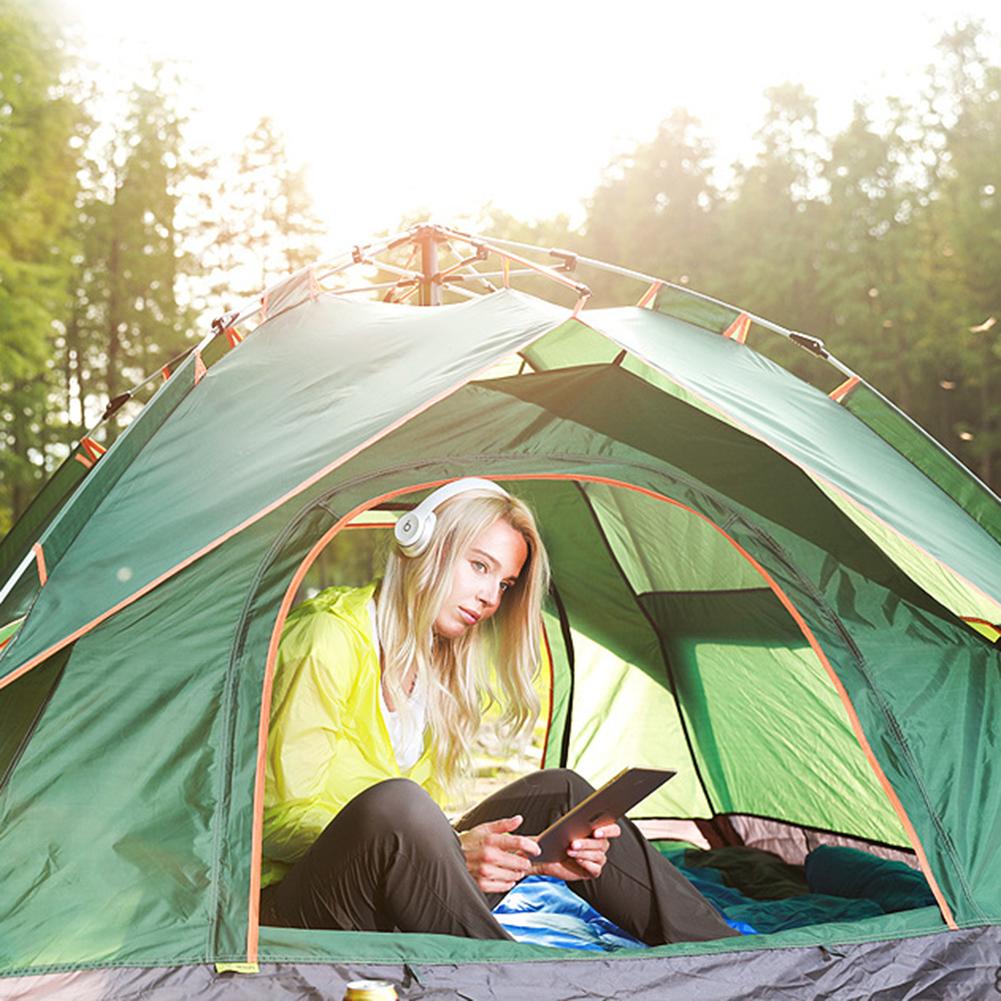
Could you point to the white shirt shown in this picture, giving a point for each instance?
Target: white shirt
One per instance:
(406, 733)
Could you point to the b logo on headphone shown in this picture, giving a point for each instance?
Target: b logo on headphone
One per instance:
(414, 530)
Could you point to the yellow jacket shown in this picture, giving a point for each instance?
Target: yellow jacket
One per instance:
(327, 740)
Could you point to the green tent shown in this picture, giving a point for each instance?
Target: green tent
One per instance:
(785, 594)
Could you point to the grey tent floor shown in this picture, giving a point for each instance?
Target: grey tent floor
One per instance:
(961, 964)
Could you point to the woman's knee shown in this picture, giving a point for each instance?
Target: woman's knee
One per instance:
(564, 782)
(395, 805)
(567, 778)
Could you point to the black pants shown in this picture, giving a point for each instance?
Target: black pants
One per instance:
(389, 861)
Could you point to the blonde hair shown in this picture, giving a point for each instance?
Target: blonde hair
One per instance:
(455, 673)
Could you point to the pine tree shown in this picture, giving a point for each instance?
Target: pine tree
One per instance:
(770, 227)
(262, 222)
(655, 208)
(969, 207)
(128, 319)
(870, 278)
(40, 130)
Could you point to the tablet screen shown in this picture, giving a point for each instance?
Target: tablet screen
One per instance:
(604, 806)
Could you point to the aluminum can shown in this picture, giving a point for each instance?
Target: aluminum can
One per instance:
(370, 990)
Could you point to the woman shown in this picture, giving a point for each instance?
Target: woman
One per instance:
(378, 697)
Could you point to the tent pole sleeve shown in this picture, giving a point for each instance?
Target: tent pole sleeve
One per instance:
(17, 574)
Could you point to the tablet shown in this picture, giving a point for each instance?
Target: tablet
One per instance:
(604, 806)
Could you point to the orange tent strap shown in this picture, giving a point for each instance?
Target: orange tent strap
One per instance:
(94, 449)
(646, 301)
(84, 461)
(737, 331)
(200, 368)
(233, 336)
(844, 389)
(165, 372)
(43, 574)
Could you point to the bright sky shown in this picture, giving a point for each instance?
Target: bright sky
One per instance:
(440, 107)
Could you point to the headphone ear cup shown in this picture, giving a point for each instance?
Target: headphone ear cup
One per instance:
(406, 530)
(413, 533)
(427, 530)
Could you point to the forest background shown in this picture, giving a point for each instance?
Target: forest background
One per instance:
(120, 240)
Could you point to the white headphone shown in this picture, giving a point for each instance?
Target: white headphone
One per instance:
(414, 530)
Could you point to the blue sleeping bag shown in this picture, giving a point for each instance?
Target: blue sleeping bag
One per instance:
(545, 911)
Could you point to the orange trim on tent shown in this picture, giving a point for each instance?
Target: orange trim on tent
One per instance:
(552, 695)
(996, 626)
(844, 389)
(646, 300)
(737, 331)
(200, 368)
(43, 574)
(165, 372)
(83, 460)
(94, 449)
(233, 336)
(982, 625)
(253, 930)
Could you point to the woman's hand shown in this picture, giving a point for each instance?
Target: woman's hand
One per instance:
(585, 858)
(495, 857)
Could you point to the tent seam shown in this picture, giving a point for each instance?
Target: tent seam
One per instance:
(566, 635)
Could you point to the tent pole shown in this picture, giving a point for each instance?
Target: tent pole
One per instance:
(430, 289)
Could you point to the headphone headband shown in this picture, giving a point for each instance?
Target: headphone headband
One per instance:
(414, 530)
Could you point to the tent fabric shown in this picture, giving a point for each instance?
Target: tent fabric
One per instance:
(933, 460)
(263, 422)
(815, 432)
(127, 797)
